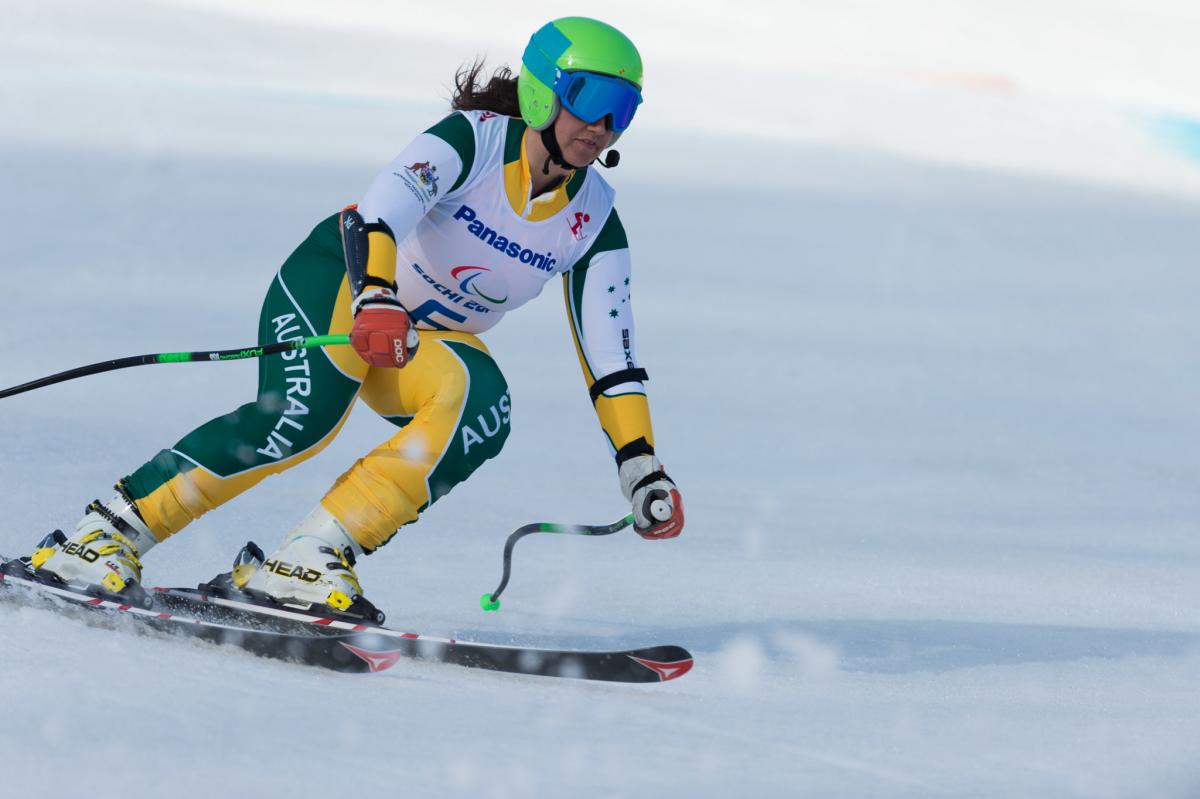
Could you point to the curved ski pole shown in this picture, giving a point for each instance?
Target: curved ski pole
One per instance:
(257, 351)
(492, 601)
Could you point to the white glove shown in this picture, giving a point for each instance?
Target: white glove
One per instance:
(657, 506)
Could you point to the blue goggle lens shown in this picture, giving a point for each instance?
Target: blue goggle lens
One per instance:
(591, 97)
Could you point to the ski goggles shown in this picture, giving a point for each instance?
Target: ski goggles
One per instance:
(591, 97)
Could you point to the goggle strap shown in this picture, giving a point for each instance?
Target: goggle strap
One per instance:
(543, 51)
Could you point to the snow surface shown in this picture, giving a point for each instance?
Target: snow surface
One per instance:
(917, 293)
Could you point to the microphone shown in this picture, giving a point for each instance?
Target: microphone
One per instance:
(610, 159)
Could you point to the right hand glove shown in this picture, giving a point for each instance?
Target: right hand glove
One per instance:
(383, 332)
(657, 506)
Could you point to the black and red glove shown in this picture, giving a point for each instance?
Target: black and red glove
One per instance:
(383, 332)
(657, 506)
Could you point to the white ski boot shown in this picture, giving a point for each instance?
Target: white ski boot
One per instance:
(104, 553)
(314, 566)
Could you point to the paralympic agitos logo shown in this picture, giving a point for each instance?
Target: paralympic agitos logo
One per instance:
(466, 275)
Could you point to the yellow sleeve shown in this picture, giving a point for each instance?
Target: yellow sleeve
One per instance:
(381, 255)
(625, 419)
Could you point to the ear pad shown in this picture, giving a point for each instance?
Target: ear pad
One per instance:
(553, 115)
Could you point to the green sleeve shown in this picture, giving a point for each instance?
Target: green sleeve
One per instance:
(456, 131)
(611, 237)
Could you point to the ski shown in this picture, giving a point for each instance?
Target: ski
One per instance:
(294, 634)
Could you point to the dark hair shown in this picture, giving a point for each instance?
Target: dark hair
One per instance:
(499, 95)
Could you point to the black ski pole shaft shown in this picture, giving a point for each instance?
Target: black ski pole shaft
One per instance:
(492, 601)
(212, 356)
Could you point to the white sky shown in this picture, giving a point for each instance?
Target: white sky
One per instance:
(1129, 52)
(1063, 87)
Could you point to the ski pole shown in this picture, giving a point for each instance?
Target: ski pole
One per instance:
(256, 351)
(492, 601)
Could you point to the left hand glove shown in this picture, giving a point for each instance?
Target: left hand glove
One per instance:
(657, 506)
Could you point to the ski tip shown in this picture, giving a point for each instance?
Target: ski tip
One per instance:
(666, 670)
(487, 603)
(376, 660)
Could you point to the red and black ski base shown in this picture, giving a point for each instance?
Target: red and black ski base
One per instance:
(346, 645)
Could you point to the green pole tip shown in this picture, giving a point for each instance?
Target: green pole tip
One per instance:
(487, 603)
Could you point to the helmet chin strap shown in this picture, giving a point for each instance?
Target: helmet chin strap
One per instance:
(550, 142)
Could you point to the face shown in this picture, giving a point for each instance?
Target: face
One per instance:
(581, 142)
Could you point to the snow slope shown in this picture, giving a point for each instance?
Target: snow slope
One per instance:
(922, 343)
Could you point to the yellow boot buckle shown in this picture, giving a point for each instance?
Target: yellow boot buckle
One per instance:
(338, 599)
(113, 582)
(41, 556)
(242, 573)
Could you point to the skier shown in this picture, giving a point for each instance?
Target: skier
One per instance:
(468, 222)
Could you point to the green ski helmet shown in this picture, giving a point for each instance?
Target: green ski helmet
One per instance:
(584, 65)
